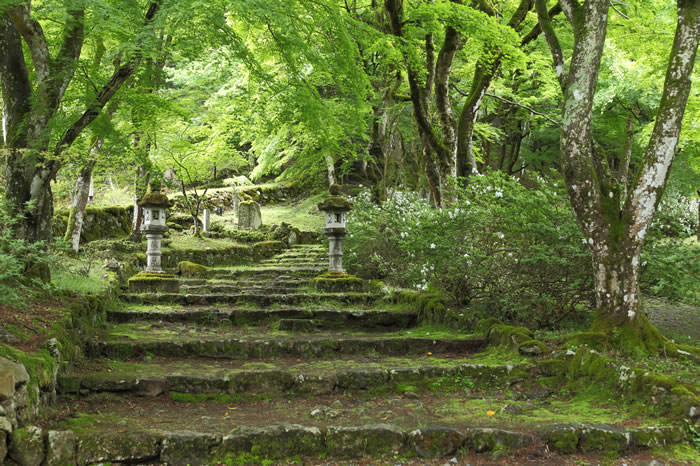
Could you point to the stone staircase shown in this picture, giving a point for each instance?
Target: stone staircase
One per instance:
(253, 366)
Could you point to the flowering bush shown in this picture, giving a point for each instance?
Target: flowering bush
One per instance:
(514, 252)
(676, 216)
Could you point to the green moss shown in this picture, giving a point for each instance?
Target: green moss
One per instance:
(594, 340)
(639, 337)
(336, 204)
(484, 325)
(266, 249)
(192, 270)
(151, 281)
(507, 335)
(155, 198)
(337, 282)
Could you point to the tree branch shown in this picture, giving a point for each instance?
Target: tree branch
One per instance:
(529, 109)
(537, 30)
(653, 173)
(120, 75)
(14, 84)
(618, 11)
(545, 22)
(65, 63)
(33, 35)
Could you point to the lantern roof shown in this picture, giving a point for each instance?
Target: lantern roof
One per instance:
(154, 198)
(335, 204)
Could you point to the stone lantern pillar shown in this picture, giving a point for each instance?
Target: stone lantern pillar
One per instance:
(335, 207)
(154, 204)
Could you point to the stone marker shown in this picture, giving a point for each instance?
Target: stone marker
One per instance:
(206, 222)
(249, 217)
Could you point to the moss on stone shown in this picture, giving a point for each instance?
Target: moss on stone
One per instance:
(192, 270)
(151, 281)
(266, 249)
(155, 198)
(337, 282)
(335, 204)
(484, 325)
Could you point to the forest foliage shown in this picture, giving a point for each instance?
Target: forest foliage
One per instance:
(400, 97)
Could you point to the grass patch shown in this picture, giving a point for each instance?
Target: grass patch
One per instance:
(88, 281)
(303, 215)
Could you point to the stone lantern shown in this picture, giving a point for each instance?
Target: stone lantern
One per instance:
(154, 204)
(335, 207)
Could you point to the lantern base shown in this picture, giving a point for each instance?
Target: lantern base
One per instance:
(153, 282)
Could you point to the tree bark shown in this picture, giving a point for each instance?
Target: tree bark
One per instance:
(615, 231)
(74, 227)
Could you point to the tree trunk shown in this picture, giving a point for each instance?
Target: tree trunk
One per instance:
(141, 180)
(615, 231)
(80, 199)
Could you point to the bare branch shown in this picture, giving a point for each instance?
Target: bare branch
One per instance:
(618, 11)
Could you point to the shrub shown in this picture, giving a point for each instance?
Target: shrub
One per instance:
(513, 251)
(15, 255)
(671, 269)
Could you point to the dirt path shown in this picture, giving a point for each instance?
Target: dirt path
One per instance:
(678, 321)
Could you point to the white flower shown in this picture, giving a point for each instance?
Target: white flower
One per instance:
(499, 193)
(500, 235)
(432, 245)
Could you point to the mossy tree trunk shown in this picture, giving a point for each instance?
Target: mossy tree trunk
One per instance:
(614, 219)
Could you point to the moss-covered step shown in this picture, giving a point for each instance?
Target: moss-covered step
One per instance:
(258, 299)
(371, 320)
(234, 288)
(125, 341)
(229, 431)
(298, 261)
(288, 377)
(270, 272)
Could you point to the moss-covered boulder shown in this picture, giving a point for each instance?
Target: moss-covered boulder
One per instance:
(603, 438)
(98, 222)
(561, 438)
(154, 282)
(27, 446)
(370, 440)
(117, 446)
(532, 348)
(431, 307)
(191, 270)
(266, 249)
(60, 448)
(183, 448)
(488, 439)
(337, 282)
(435, 442)
(273, 442)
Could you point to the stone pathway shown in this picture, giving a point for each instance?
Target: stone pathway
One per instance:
(252, 365)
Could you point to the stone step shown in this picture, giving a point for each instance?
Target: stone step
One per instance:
(330, 429)
(305, 254)
(372, 320)
(235, 288)
(130, 340)
(299, 261)
(270, 272)
(288, 377)
(258, 299)
(309, 247)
